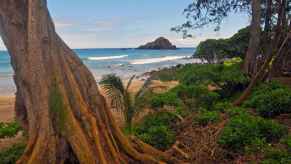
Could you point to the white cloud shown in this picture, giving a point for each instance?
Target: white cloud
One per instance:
(63, 24)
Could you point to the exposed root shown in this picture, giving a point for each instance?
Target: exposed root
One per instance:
(196, 144)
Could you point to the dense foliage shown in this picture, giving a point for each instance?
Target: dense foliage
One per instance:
(270, 99)
(244, 130)
(216, 50)
(276, 155)
(206, 92)
(169, 98)
(156, 130)
(205, 117)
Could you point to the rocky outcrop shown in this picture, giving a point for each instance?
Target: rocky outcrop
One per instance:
(158, 44)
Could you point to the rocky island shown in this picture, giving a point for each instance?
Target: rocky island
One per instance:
(159, 44)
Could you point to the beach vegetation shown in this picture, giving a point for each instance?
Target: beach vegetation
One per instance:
(245, 130)
(120, 96)
(218, 50)
(270, 99)
(206, 117)
(276, 155)
(157, 129)
(9, 129)
(12, 154)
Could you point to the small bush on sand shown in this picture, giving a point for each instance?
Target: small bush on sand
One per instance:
(9, 129)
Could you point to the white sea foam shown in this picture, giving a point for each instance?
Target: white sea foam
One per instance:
(157, 60)
(107, 57)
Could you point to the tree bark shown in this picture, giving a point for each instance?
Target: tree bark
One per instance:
(254, 43)
(57, 98)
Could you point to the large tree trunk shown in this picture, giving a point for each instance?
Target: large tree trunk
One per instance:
(57, 98)
(254, 43)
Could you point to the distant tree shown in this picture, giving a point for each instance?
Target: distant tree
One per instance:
(215, 50)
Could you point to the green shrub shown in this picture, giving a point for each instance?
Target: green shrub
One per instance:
(9, 129)
(157, 119)
(276, 156)
(161, 137)
(256, 145)
(270, 100)
(145, 100)
(166, 74)
(242, 129)
(229, 109)
(191, 96)
(156, 130)
(12, 154)
(200, 74)
(222, 106)
(168, 98)
(287, 141)
(206, 117)
(196, 96)
(231, 80)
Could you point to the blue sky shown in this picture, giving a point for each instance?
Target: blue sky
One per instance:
(128, 23)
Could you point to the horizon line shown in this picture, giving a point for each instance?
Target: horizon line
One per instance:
(108, 48)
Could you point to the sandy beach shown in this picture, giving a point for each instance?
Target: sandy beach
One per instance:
(6, 108)
(7, 102)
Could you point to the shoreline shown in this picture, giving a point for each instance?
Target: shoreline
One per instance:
(7, 98)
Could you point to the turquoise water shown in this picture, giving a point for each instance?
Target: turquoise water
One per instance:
(123, 62)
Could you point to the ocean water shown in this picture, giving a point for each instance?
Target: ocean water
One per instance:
(123, 62)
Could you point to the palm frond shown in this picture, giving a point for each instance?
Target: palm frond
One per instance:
(113, 81)
(114, 89)
(116, 97)
(143, 89)
(129, 82)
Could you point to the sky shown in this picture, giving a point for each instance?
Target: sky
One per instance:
(129, 23)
